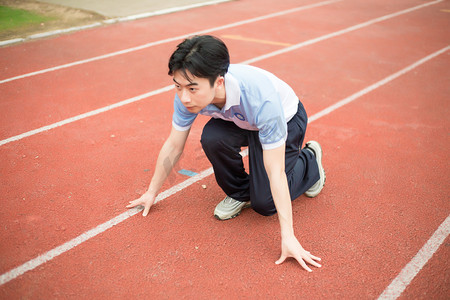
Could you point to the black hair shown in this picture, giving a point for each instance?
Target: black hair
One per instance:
(204, 56)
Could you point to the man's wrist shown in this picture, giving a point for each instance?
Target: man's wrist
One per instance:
(287, 233)
(150, 192)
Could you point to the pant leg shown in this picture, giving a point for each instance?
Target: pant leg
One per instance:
(300, 166)
(222, 141)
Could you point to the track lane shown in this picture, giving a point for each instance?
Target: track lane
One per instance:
(90, 86)
(82, 94)
(123, 36)
(66, 155)
(80, 147)
(82, 177)
(437, 268)
(359, 58)
(363, 150)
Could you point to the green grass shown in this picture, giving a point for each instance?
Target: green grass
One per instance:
(12, 18)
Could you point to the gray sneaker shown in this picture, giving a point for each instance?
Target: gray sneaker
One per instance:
(229, 208)
(315, 147)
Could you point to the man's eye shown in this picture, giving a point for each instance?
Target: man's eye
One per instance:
(177, 86)
(192, 89)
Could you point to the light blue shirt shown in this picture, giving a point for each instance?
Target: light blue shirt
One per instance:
(255, 100)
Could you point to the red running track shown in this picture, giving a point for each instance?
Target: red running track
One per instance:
(385, 154)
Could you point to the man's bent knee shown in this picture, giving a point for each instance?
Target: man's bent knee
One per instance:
(264, 209)
(210, 142)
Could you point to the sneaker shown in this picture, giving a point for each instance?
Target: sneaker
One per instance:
(229, 208)
(315, 148)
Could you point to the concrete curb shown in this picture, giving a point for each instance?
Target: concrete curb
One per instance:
(110, 21)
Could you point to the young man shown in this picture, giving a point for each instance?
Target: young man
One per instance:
(249, 107)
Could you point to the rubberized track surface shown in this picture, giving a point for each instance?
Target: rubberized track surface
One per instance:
(379, 69)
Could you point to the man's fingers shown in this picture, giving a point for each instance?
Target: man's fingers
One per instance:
(312, 262)
(280, 260)
(146, 210)
(303, 264)
(309, 258)
(315, 257)
(134, 203)
(302, 261)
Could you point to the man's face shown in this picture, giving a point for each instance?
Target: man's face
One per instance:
(196, 94)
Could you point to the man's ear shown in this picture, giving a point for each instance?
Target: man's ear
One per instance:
(220, 81)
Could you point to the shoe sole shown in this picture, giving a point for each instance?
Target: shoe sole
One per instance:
(233, 216)
(321, 169)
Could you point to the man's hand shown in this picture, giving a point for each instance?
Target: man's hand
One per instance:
(145, 200)
(290, 247)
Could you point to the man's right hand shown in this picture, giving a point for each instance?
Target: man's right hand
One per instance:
(146, 200)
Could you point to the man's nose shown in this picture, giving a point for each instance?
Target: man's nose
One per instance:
(184, 97)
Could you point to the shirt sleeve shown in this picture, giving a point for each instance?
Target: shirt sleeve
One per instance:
(272, 125)
(182, 119)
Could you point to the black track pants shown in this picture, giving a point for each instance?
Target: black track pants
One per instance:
(222, 141)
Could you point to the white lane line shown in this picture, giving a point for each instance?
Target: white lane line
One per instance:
(41, 259)
(340, 32)
(177, 38)
(167, 88)
(376, 85)
(407, 274)
(85, 115)
(32, 264)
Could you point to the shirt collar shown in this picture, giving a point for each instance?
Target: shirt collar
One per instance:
(232, 90)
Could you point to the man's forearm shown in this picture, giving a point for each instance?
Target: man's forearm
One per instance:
(167, 158)
(274, 165)
(282, 200)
